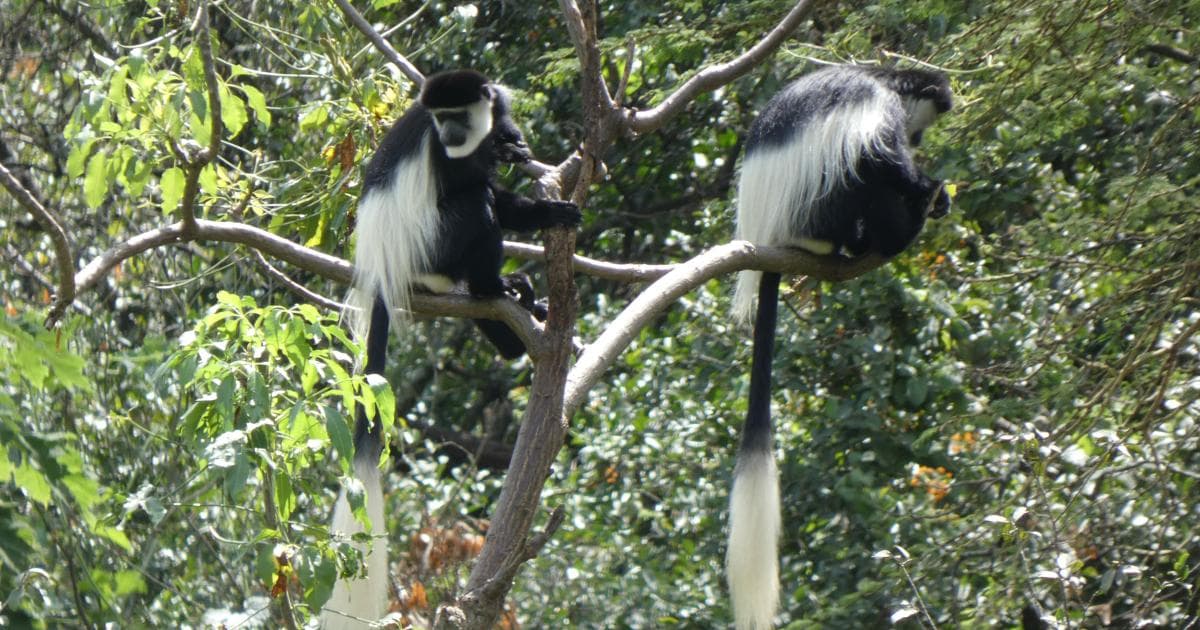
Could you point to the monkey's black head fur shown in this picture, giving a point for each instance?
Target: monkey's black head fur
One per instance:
(455, 88)
(918, 84)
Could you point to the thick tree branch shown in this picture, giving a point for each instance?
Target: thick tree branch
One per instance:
(509, 543)
(324, 265)
(327, 266)
(64, 259)
(714, 77)
(720, 260)
(379, 42)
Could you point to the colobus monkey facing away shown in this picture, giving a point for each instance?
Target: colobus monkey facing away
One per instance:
(430, 216)
(828, 169)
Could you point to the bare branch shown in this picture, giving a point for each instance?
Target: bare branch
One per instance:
(327, 266)
(62, 247)
(89, 30)
(204, 40)
(720, 260)
(322, 264)
(379, 42)
(714, 77)
(583, 36)
(634, 272)
(195, 161)
(293, 286)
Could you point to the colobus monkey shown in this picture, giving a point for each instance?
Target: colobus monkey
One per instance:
(429, 217)
(829, 169)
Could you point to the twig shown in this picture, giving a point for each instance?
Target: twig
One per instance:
(295, 287)
(715, 76)
(632, 272)
(62, 247)
(271, 516)
(379, 42)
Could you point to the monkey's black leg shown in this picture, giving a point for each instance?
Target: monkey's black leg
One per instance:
(484, 281)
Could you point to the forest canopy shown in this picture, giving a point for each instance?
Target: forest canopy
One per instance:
(997, 428)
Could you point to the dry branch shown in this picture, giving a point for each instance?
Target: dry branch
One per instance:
(64, 259)
(379, 42)
(720, 260)
(621, 272)
(715, 76)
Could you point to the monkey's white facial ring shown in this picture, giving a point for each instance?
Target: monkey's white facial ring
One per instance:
(462, 129)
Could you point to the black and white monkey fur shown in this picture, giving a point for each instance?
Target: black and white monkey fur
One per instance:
(828, 169)
(429, 217)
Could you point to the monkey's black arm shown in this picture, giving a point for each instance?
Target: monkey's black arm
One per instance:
(522, 214)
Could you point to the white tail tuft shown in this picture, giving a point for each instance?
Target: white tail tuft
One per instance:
(751, 562)
(356, 603)
(745, 295)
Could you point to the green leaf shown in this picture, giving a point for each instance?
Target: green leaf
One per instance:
(171, 183)
(233, 113)
(95, 182)
(33, 483)
(78, 157)
(129, 582)
(258, 103)
(85, 491)
(285, 497)
(208, 179)
(339, 434)
(915, 391)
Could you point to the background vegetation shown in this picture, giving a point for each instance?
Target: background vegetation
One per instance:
(1000, 425)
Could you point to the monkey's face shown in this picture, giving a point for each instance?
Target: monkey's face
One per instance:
(461, 130)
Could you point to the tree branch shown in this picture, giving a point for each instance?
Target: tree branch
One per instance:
(85, 27)
(719, 260)
(632, 272)
(714, 77)
(293, 286)
(62, 247)
(322, 264)
(327, 266)
(204, 40)
(195, 161)
(379, 42)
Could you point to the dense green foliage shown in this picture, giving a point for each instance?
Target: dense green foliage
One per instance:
(1005, 417)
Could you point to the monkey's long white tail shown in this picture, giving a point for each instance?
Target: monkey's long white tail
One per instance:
(356, 603)
(751, 561)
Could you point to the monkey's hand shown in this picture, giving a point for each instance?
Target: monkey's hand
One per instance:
(561, 213)
(520, 288)
(939, 204)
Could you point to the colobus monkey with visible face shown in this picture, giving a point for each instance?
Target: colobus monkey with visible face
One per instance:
(828, 169)
(429, 217)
